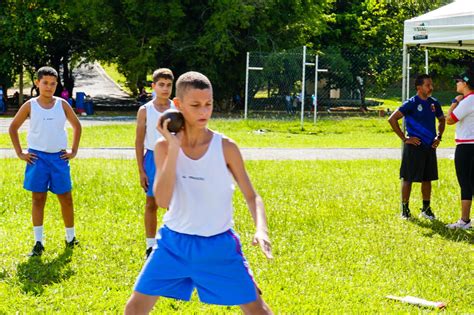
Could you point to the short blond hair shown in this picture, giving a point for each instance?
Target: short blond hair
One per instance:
(192, 79)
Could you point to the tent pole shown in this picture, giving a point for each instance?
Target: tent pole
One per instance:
(404, 72)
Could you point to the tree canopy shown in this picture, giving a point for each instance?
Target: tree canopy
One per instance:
(211, 36)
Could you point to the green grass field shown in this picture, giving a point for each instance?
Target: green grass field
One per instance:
(330, 132)
(338, 242)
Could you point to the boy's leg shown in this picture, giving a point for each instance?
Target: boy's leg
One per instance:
(67, 209)
(257, 307)
(140, 303)
(38, 202)
(150, 217)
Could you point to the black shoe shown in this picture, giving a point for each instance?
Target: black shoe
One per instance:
(428, 214)
(406, 213)
(148, 252)
(72, 243)
(38, 250)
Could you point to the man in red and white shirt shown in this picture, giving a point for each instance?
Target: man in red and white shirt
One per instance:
(461, 113)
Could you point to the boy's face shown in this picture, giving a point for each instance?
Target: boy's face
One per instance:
(47, 85)
(196, 106)
(163, 88)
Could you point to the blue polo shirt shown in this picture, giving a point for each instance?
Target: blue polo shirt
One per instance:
(420, 118)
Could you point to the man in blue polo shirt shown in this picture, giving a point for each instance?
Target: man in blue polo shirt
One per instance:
(419, 163)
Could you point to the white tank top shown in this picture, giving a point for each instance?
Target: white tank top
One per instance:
(464, 114)
(202, 197)
(152, 116)
(47, 131)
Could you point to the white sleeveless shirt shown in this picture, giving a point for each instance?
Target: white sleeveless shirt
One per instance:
(202, 198)
(152, 116)
(47, 131)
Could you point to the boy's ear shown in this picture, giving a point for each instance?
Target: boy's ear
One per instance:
(177, 102)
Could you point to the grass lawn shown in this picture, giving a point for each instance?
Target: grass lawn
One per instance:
(338, 242)
(330, 132)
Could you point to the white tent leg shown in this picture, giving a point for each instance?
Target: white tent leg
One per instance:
(426, 61)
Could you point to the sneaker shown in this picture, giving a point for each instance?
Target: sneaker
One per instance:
(148, 252)
(428, 214)
(461, 224)
(406, 213)
(38, 250)
(72, 243)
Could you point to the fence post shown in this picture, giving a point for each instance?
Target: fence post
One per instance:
(246, 85)
(302, 87)
(316, 69)
(426, 60)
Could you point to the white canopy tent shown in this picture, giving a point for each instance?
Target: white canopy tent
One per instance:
(450, 26)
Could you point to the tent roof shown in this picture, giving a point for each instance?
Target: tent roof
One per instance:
(450, 26)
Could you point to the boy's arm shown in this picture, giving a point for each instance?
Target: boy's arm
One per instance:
(76, 130)
(235, 163)
(166, 155)
(20, 117)
(140, 145)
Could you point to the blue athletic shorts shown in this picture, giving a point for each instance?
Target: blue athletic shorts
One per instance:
(48, 172)
(150, 169)
(214, 265)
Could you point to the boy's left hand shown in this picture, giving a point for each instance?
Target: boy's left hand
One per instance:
(261, 238)
(68, 155)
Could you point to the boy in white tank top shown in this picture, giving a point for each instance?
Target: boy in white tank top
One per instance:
(47, 158)
(145, 140)
(197, 247)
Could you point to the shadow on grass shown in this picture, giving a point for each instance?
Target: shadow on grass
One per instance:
(35, 274)
(439, 227)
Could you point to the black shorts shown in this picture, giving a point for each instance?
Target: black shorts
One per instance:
(419, 164)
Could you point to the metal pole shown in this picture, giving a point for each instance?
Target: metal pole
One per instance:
(302, 87)
(404, 72)
(426, 60)
(408, 77)
(246, 85)
(316, 68)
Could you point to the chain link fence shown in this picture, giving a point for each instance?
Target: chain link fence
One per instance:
(345, 81)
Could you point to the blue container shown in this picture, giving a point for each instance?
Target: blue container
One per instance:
(80, 97)
(89, 107)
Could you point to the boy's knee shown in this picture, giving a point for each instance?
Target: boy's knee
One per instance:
(150, 205)
(39, 197)
(257, 307)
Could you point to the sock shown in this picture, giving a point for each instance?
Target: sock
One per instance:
(469, 220)
(70, 234)
(405, 205)
(426, 204)
(150, 242)
(38, 230)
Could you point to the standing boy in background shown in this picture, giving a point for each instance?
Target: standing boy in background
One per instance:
(146, 137)
(419, 163)
(47, 158)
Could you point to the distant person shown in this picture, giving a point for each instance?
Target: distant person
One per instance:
(65, 94)
(419, 163)
(143, 96)
(288, 105)
(145, 139)
(197, 246)
(461, 113)
(47, 156)
(3, 101)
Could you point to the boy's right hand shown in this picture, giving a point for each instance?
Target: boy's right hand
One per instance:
(30, 158)
(144, 181)
(174, 141)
